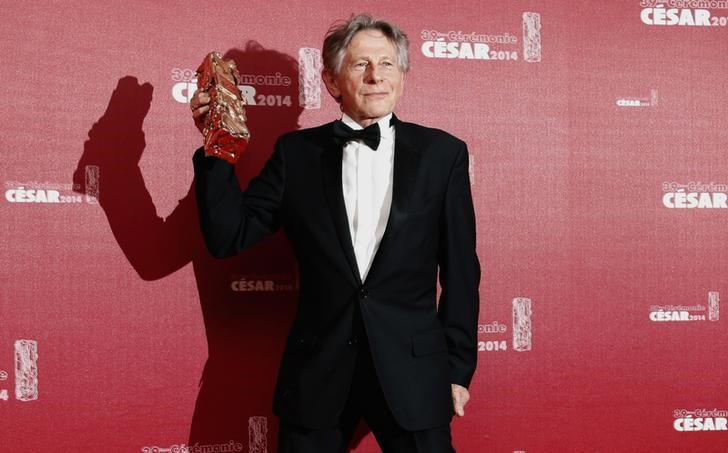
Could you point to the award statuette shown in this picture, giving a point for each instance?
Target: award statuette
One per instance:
(224, 129)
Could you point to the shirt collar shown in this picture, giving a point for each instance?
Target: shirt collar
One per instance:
(386, 132)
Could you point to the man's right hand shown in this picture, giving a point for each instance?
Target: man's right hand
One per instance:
(200, 106)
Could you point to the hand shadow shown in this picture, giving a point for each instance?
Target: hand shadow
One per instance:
(246, 330)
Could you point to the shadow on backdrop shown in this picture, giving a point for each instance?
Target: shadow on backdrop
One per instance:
(246, 330)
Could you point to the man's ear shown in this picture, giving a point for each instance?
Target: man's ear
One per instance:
(331, 85)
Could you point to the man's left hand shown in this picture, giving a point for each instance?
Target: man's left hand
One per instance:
(460, 397)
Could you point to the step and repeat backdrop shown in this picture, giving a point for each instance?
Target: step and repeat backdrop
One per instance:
(598, 134)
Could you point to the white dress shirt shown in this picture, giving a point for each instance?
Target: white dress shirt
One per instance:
(366, 177)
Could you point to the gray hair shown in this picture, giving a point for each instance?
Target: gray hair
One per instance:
(342, 32)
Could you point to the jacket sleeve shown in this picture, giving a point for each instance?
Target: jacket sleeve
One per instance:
(233, 220)
(459, 273)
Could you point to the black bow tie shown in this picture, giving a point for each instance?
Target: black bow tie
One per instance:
(370, 135)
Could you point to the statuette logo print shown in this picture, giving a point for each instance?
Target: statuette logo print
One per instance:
(26, 372)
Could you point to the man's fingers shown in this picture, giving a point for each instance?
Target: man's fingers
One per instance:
(200, 111)
(459, 410)
(199, 104)
(460, 397)
(199, 98)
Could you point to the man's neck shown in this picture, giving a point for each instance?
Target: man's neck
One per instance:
(348, 119)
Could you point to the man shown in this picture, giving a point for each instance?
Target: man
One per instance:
(373, 207)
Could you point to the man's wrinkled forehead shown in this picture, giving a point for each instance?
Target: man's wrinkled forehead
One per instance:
(368, 44)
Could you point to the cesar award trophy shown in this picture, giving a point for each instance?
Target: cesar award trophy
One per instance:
(226, 135)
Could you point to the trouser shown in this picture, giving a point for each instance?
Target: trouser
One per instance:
(366, 400)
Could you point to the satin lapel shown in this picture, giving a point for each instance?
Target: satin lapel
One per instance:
(331, 170)
(406, 164)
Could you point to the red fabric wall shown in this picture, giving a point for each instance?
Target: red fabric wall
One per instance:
(597, 133)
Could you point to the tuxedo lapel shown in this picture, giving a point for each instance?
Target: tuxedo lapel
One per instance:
(406, 164)
(331, 170)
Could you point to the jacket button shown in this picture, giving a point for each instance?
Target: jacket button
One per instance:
(363, 293)
(352, 341)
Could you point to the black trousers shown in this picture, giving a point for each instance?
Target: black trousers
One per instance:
(366, 400)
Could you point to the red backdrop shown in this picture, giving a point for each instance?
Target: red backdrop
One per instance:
(597, 133)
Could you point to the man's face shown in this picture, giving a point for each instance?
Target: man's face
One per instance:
(370, 81)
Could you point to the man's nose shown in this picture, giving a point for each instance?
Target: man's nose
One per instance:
(374, 74)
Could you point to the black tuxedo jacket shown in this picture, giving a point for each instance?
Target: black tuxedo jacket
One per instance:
(418, 347)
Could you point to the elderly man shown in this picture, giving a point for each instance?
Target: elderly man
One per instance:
(374, 208)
